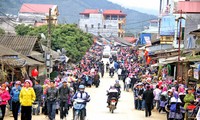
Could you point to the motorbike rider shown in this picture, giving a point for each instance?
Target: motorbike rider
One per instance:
(112, 93)
(81, 94)
(117, 86)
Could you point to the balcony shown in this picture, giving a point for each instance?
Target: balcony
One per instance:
(191, 7)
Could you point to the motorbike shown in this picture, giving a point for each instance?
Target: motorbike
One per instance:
(112, 106)
(79, 107)
(191, 111)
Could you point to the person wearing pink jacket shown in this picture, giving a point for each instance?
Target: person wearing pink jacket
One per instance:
(4, 97)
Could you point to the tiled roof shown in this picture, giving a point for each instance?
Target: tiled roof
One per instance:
(21, 44)
(35, 8)
(90, 11)
(188, 6)
(4, 51)
(113, 12)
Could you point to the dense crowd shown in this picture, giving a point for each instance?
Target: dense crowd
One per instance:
(53, 95)
(149, 91)
(163, 92)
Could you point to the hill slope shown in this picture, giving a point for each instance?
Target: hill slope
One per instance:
(70, 9)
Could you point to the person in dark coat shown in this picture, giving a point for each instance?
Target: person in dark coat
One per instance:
(148, 97)
(64, 92)
(39, 92)
(102, 69)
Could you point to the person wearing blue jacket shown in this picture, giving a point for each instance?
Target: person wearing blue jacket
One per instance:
(15, 91)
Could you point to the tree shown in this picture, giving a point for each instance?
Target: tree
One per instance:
(23, 29)
(2, 31)
(66, 36)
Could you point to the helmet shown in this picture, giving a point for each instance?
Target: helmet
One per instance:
(117, 81)
(81, 87)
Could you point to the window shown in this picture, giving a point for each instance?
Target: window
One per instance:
(92, 26)
(104, 26)
(99, 25)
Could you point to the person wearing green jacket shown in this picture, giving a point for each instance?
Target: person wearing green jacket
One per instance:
(188, 98)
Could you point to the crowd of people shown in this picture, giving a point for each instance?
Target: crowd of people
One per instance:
(52, 95)
(164, 93)
(150, 91)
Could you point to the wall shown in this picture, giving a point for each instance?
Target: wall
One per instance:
(192, 22)
(26, 17)
(100, 26)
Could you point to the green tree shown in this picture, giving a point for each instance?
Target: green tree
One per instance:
(2, 31)
(67, 36)
(23, 29)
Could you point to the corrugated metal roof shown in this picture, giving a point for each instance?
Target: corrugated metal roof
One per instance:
(188, 6)
(35, 8)
(21, 44)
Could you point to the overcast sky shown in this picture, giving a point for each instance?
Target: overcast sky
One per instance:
(144, 4)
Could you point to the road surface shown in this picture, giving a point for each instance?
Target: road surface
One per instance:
(97, 110)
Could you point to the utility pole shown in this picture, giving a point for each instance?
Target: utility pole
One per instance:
(180, 36)
(48, 52)
(159, 19)
(179, 46)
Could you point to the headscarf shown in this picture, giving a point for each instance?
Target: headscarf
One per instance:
(30, 82)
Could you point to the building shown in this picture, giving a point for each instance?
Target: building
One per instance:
(103, 22)
(191, 13)
(37, 14)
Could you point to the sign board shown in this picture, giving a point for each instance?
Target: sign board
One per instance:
(167, 25)
(145, 39)
(166, 39)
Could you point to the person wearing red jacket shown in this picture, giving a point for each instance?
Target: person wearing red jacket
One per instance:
(4, 97)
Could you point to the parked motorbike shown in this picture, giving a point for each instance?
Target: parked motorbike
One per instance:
(112, 106)
(192, 110)
(79, 109)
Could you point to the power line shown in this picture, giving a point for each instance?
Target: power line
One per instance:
(7, 23)
(7, 16)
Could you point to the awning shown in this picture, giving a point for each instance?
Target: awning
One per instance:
(142, 48)
(156, 65)
(99, 43)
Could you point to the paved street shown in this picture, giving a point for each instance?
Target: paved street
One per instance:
(97, 109)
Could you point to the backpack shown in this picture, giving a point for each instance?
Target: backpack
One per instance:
(173, 107)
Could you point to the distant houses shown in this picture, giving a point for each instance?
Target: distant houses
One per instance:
(103, 22)
(37, 14)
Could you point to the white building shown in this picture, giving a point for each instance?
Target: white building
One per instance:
(37, 14)
(104, 23)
